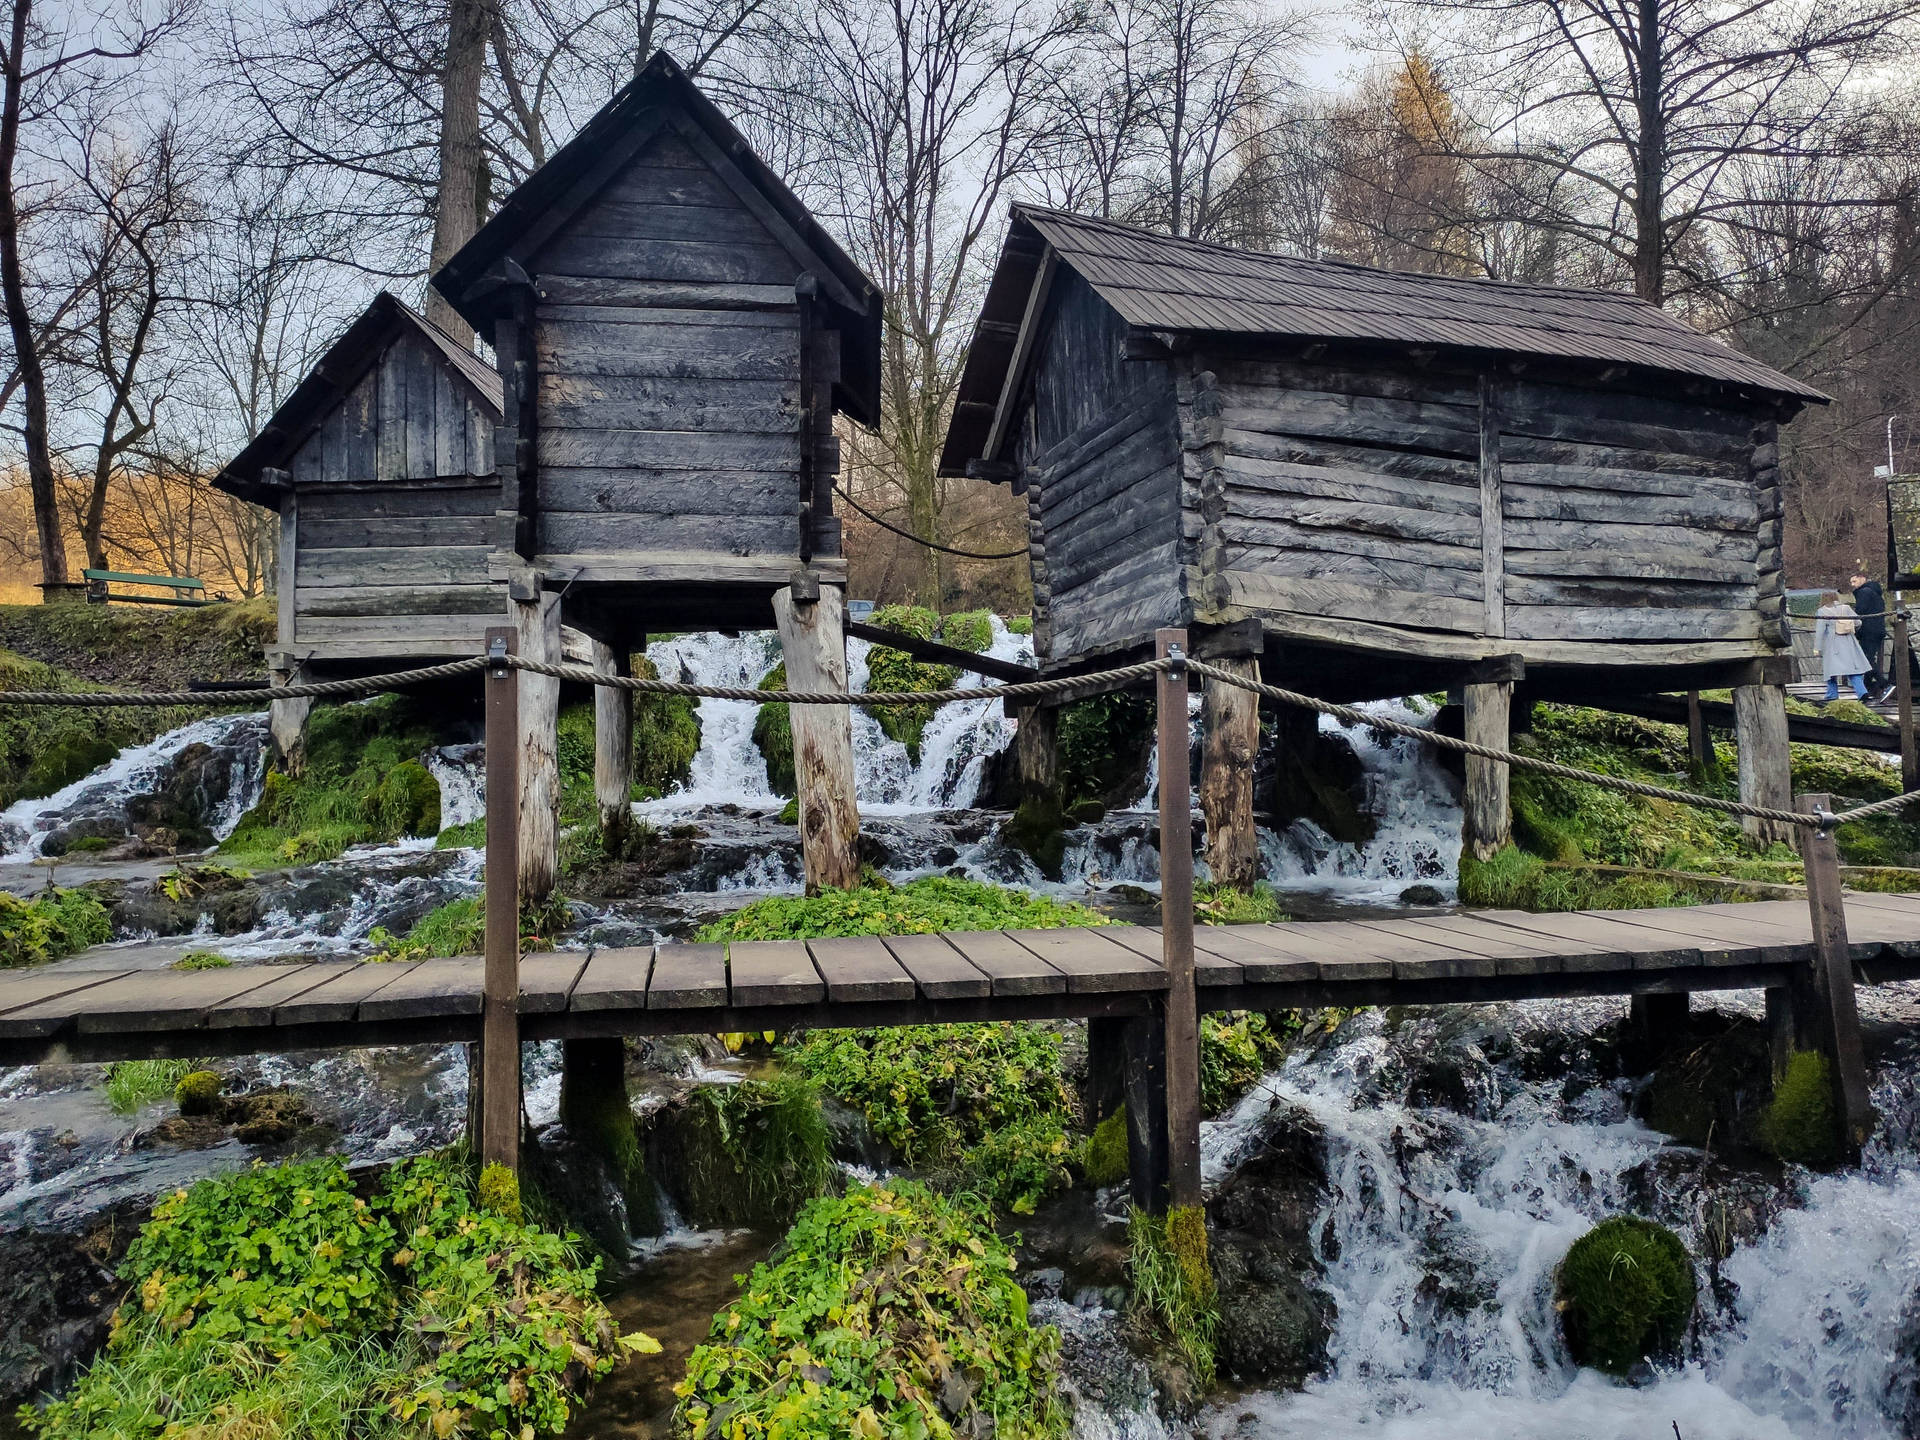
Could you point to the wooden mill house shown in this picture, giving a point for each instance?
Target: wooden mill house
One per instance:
(381, 467)
(1367, 484)
(674, 335)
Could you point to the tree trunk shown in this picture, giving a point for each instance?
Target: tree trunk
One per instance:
(813, 639)
(1230, 730)
(33, 379)
(456, 212)
(1650, 161)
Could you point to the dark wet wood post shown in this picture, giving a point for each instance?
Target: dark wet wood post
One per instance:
(1824, 1008)
(500, 1010)
(1903, 694)
(1176, 927)
(1706, 762)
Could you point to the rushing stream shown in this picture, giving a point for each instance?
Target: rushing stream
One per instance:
(1445, 1210)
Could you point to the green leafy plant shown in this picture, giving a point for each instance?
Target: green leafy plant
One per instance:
(459, 927)
(1173, 1297)
(984, 1107)
(52, 924)
(1237, 1047)
(1625, 1291)
(132, 1085)
(1215, 904)
(750, 1153)
(890, 1311)
(922, 907)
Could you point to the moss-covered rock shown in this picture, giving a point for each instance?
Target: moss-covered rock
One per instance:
(1108, 1152)
(746, 1154)
(1625, 1293)
(773, 736)
(896, 670)
(405, 802)
(1106, 745)
(498, 1193)
(1799, 1124)
(1039, 827)
(968, 630)
(198, 1093)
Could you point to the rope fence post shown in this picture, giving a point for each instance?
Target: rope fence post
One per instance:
(1176, 925)
(1903, 696)
(500, 1007)
(1833, 1027)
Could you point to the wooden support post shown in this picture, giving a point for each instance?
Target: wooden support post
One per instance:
(537, 633)
(1903, 695)
(499, 1070)
(1488, 821)
(1700, 751)
(613, 748)
(1654, 1023)
(1765, 763)
(1836, 1018)
(1036, 750)
(1106, 1085)
(287, 719)
(1176, 928)
(1145, 1037)
(1230, 743)
(813, 639)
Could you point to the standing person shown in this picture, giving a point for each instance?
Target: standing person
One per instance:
(1840, 653)
(1870, 604)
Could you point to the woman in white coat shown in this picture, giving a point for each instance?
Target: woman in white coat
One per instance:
(1835, 634)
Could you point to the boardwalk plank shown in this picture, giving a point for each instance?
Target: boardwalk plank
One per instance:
(338, 1000)
(145, 1002)
(1629, 946)
(1503, 954)
(1719, 944)
(773, 972)
(1092, 964)
(452, 985)
(859, 967)
(1013, 969)
(941, 972)
(1212, 965)
(685, 977)
(614, 978)
(1764, 936)
(547, 980)
(1560, 954)
(42, 994)
(256, 1007)
(1294, 950)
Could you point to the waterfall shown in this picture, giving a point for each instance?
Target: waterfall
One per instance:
(461, 773)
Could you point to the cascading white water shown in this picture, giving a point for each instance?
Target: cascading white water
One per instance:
(461, 773)
(727, 768)
(1493, 1201)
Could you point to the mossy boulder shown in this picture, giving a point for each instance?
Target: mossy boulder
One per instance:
(968, 630)
(198, 1093)
(498, 1193)
(896, 670)
(747, 1154)
(773, 736)
(406, 802)
(1625, 1292)
(1039, 827)
(1799, 1124)
(1108, 1154)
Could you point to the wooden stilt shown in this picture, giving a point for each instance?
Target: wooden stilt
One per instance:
(1230, 730)
(1106, 1084)
(1836, 1019)
(287, 719)
(1176, 928)
(1488, 822)
(499, 1069)
(1145, 1037)
(537, 633)
(1903, 694)
(613, 748)
(1036, 750)
(1765, 763)
(1700, 752)
(813, 639)
(1654, 1023)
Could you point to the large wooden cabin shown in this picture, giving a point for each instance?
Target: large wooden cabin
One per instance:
(1395, 476)
(1365, 484)
(381, 467)
(675, 334)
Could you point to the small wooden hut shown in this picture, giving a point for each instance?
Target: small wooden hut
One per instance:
(381, 466)
(675, 334)
(1376, 484)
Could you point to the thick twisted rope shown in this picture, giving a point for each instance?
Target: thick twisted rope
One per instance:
(265, 695)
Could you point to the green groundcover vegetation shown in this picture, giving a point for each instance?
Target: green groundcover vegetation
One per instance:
(282, 1304)
(891, 1311)
(44, 748)
(52, 924)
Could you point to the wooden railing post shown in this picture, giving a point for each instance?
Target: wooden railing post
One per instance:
(500, 1009)
(1834, 1025)
(1176, 928)
(1903, 694)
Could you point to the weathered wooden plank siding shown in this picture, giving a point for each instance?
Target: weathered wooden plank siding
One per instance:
(408, 418)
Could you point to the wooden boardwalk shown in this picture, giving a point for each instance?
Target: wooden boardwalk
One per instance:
(102, 1014)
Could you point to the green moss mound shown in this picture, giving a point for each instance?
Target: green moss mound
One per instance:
(968, 630)
(1799, 1124)
(890, 1311)
(53, 924)
(746, 1154)
(1174, 1301)
(897, 670)
(280, 1304)
(198, 1093)
(1038, 826)
(922, 907)
(1020, 625)
(984, 1108)
(363, 783)
(498, 1193)
(773, 736)
(1625, 1293)
(459, 927)
(1108, 1151)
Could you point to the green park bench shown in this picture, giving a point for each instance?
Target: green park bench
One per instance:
(99, 594)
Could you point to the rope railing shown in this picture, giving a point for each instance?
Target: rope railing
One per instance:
(1076, 686)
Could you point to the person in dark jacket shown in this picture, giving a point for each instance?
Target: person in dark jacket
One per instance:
(1870, 604)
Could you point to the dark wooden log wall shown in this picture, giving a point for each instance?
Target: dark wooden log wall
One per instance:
(387, 522)
(1101, 453)
(667, 338)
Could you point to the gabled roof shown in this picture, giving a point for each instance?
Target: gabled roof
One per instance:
(1157, 282)
(576, 172)
(344, 365)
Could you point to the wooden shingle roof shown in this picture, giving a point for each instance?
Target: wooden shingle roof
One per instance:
(1160, 283)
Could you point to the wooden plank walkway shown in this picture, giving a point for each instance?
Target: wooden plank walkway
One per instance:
(102, 1014)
